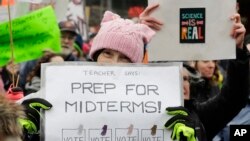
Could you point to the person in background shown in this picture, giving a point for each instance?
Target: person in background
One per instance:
(118, 41)
(191, 126)
(212, 115)
(129, 48)
(75, 14)
(32, 109)
(193, 77)
(243, 117)
(34, 77)
(32, 101)
(7, 73)
(103, 51)
(68, 38)
(195, 121)
(212, 77)
(10, 113)
(215, 112)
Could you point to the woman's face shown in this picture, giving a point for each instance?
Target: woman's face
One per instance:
(111, 56)
(186, 84)
(206, 68)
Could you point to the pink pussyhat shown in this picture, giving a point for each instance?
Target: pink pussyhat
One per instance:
(14, 93)
(122, 35)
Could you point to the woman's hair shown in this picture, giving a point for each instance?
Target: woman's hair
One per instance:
(36, 71)
(97, 53)
(216, 75)
(10, 112)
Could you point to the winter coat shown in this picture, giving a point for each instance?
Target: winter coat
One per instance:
(33, 86)
(198, 126)
(216, 112)
(204, 92)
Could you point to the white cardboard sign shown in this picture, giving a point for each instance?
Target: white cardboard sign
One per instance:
(109, 103)
(193, 30)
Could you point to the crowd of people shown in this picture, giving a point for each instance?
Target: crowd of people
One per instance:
(213, 96)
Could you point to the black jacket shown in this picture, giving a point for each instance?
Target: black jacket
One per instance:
(216, 112)
(195, 120)
(204, 92)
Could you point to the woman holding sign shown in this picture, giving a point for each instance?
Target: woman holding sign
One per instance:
(202, 120)
(215, 113)
(122, 41)
(118, 41)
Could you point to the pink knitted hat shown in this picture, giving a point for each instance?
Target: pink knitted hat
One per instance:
(122, 35)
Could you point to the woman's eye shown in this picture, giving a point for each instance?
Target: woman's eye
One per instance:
(107, 53)
(125, 60)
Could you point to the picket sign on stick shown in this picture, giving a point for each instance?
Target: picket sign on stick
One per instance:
(33, 34)
(12, 47)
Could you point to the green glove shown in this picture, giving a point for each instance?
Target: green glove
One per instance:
(181, 123)
(32, 106)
